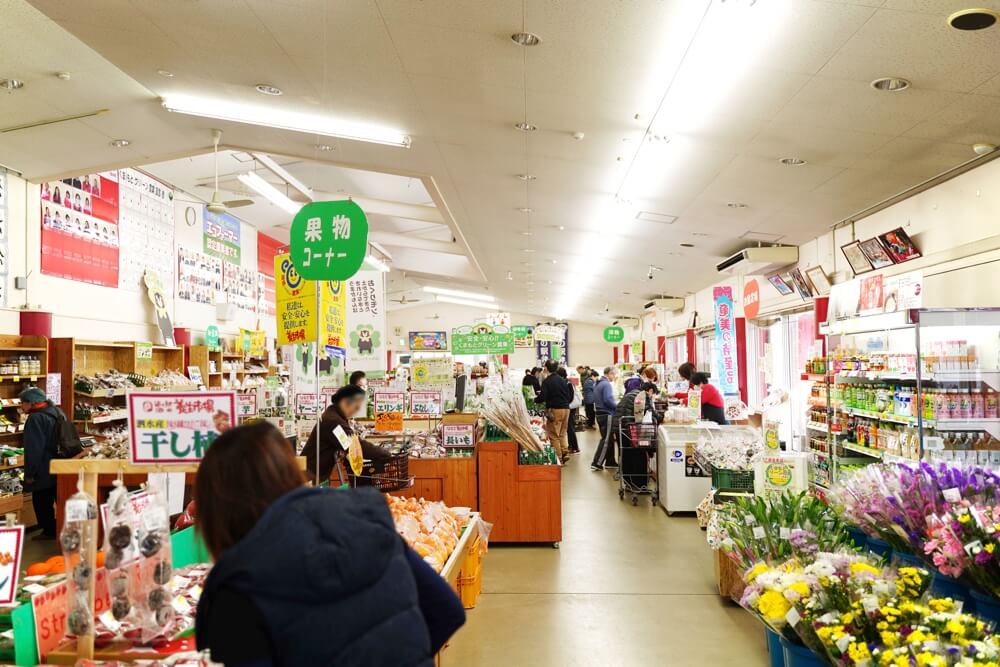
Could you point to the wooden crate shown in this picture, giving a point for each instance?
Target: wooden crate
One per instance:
(523, 502)
(451, 480)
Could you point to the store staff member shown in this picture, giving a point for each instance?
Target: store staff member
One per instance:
(346, 403)
(713, 408)
(359, 379)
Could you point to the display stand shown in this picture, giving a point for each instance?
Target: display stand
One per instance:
(452, 480)
(523, 502)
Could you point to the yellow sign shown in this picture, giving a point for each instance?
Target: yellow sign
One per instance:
(297, 312)
(771, 439)
(778, 474)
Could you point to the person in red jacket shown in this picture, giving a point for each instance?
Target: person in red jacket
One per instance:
(713, 408)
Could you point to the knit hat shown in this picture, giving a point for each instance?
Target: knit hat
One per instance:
(32, 395)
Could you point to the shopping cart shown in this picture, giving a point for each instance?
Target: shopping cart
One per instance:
(393, 474)
(638, 465)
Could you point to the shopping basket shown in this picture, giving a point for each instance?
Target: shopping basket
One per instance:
(724, 479)
(393, 474)
(641, 435)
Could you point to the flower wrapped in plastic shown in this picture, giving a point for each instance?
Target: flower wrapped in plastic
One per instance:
(730, 450)
(964, 542)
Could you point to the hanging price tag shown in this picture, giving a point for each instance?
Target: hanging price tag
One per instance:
(758, 532)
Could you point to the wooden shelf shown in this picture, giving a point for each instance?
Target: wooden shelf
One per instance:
(18, 378)
(7, 348)
(106, 393)
(113, 466)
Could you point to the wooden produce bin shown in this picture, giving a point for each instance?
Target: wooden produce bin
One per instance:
(523, 502)
(451, 480)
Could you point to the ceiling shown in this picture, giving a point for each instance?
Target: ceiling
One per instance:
(729, 87)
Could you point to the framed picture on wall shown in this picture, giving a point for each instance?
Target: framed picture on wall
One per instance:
(876, 254)
(801, 284)
(856, 257)
(779, 284)
(821, 283)
(899, 246)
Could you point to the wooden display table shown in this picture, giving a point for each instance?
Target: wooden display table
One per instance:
(452, 480)
(523, 502)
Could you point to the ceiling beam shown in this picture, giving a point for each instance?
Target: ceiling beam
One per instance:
(393, 209)
(394, 240)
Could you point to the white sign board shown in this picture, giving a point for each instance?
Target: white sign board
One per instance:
(176, 427)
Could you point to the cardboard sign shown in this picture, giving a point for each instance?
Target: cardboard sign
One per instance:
(458, 435)
(143, 350)
(305, 404)
(433, 372)
(390, 401)
(11, 543)
(246, 405)
(194, 372)
(176, 427)
(388, 422)
(425, 403)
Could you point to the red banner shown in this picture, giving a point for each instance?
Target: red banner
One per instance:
(80, 229)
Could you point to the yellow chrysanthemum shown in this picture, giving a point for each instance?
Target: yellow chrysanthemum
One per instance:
(956, 628)
(773, 605)
(755, 571)
(864, 568)
(858, 652)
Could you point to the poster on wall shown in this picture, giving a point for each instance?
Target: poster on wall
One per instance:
(222, 236)
(876, 294)
(145, 230)
(433, 371)
(265, 296)
(199, 276)
(424, 341)
(872, 296)
(240, 286)
(727, 370)
(80, 235)
(554, 343)
(366, 328)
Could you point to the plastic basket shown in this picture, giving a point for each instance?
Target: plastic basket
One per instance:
(392, 474)
(641, 435)
(724, 479)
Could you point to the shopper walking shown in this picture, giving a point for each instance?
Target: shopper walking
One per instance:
(713, 407)
(604, 407)
(40, 433)
(531, 380)
(556, 394)
(588, 396)
(344, 405)
(308, 576)
(574, 413)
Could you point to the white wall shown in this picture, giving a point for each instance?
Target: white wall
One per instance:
(92, 311)
(586, 342)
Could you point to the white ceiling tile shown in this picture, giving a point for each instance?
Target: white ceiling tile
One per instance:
(940, 8)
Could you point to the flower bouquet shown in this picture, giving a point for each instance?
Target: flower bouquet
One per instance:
(965, 542)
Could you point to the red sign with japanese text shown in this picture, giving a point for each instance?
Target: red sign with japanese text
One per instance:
(751, 299)
(177, 427)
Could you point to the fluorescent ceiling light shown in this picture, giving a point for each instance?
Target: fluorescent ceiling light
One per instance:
(465, 302)
(460, 294)
(283, 120)
(376, 263)
(283, 174)
(270, 192)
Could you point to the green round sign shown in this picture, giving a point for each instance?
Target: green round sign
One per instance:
(614, 334)
(329, 240)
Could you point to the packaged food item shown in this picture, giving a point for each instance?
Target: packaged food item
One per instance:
(77, 540)
(119, 549)
(152, 600)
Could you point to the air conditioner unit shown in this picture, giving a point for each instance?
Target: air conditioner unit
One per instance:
(759, 260)
(671, 303)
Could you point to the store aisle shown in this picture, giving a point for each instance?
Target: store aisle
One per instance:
(629, 586)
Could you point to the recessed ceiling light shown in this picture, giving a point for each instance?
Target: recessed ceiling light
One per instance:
(736, 204)
(64, 76)
(687, 245)
(120, 143)
(526, 39)
(165, 73)
(561, 228)
(267, 89)
(510, 275)
(325, 148)
(527, 250)
(525, 127)
(527, 177)
(700, 234)
(11, 84)
(792, 161)
(527, 233)
(972, 19)
(555, 261)
(890, 84)
(526, 209)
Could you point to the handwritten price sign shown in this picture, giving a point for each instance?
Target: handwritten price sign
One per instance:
(425, 403)
(390, 401)
(458, 435)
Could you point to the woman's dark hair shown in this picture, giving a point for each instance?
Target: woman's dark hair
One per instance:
(646, 386)
(699, 378)
(686, 370)
(347, 391)
(529, 371)
(244, 471)
(355, 376)
(595, 374)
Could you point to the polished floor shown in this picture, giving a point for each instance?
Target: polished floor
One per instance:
(629, 586)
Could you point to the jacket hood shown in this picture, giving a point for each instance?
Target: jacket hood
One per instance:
(313, 544)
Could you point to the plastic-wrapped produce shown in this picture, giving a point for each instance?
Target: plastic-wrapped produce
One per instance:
(77, 539)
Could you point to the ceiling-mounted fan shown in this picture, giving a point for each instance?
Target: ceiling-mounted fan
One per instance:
(403, 300)
(435, 316)
(216, 205)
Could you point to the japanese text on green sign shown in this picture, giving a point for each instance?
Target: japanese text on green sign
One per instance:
(614, 334)
(482, 339)
(329, 240)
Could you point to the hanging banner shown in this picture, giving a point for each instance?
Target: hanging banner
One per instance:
(176, 427)
(366, 328)
(329, 240)
(298, 318)
(432, 372)
(495, 319)
(222, 236)
(524, 335)
(727, 369)
(253, 342)
(436, 341)
(482, 339)
(556, 350)
(551, 333)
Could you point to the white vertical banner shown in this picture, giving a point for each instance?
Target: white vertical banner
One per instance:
(366, 327)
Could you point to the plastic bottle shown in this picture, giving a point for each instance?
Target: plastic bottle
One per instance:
(953, 405)
(991, 400)
(978, 404)
(964, 404)
(941, 404)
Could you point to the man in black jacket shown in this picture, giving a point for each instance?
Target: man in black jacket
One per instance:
(556, 394)
(39, 448)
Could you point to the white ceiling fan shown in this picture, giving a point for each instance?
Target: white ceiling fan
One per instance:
(403, 300)
(216, 205)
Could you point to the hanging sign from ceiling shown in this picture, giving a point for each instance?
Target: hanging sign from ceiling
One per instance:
(614, 334)
(329, 240)
(482, 339)
(751, 299)
(549, 332)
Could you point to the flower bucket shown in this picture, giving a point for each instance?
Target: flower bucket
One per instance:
(880, 548)
(859, 537)
(774, 650)
(800, 656)
(947, 587)
(987, 606)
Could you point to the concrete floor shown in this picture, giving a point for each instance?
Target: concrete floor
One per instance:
(629, 586)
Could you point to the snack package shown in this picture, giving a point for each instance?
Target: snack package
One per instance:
(77, 539)
(119, 549)
(153, 598)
